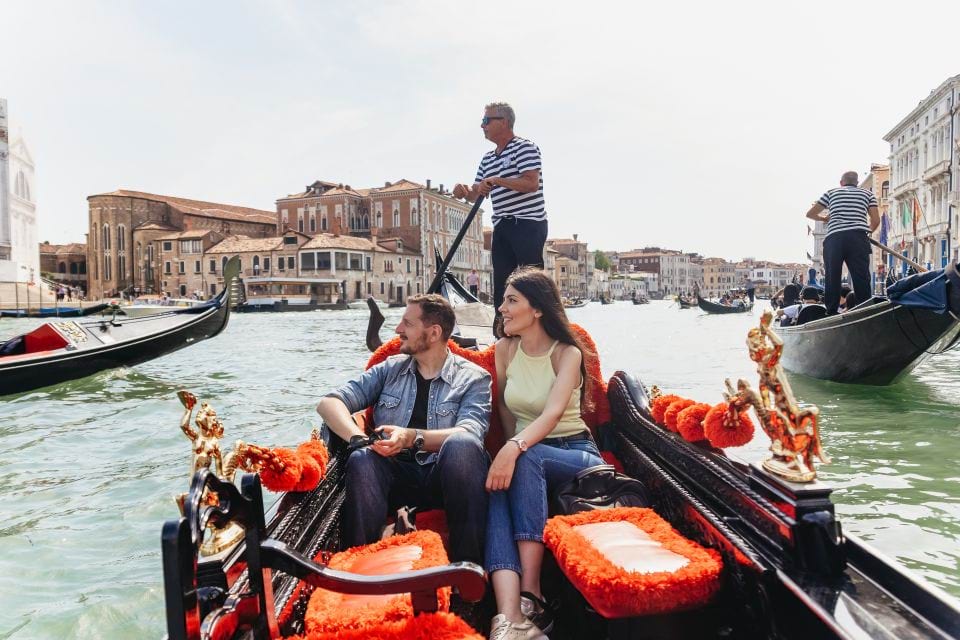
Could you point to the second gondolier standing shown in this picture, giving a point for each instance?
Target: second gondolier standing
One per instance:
(512, 175)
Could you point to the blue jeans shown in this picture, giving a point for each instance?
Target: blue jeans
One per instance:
(455, 483)
(520, 512)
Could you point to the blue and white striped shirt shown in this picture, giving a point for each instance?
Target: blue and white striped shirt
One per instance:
(848, 206)
(518, 156)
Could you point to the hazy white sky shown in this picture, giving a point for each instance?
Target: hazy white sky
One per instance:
(702, 126)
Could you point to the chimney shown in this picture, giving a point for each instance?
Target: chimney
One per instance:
(385, 184)
(574, 237)
(441, 189)
(428, 183)
(348, 187)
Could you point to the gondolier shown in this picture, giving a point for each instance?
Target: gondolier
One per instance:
(512, 176)
(851, 213)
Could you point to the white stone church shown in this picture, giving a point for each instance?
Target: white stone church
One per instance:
(19, 248)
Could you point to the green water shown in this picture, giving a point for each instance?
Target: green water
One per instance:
(89, 469)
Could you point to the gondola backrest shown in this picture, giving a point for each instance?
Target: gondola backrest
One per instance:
(810, 313)
(596, 412)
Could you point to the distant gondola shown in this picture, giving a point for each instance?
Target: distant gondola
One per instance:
(59, 351)
(686, 304)
(713, 307)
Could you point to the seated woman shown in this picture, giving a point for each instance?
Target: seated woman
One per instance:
(541, 382)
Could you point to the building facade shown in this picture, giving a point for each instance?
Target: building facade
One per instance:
(19, 252)
(65, 263)
(719, 276)
(924, 178)
(123, 244)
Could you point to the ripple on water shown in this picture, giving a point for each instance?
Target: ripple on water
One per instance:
(89, 468)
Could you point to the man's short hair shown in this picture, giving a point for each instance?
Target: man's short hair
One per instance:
(850, 177)
(505, 110)
(810, 293)
(434, 309)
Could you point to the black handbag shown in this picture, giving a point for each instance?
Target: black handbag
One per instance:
(599, 487)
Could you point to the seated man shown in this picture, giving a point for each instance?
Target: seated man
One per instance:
(433, 410)
(788, 315)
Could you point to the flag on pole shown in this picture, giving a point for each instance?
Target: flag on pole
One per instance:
(917, 214)
(884, 228)
(809, 257)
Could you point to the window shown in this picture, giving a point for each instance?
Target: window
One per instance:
(396, 217)
(369, 265)
(213, 266)
(341, 260)
(280, 263)
(266, 264)
(418, 266)
(381, 288)
(213, 290)
(256, 265)
(190, 246)
(290, 240)
(183, 290)
(369, 288)
(356, 262)
(291, 263)
(308, 261)
(408, 265)
(167, 245)
(323, 260)
(223, 263)
(166, 268)
(313, 223)
(196, 266)
(182, 267)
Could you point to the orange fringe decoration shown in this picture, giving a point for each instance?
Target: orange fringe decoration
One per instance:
(690, 422)
(330, 612)
(725, 430)
(288, 470)
(659, 405)
(426, 626)
(670, 415)
(617, 593)
(595, 413)
(315, 449)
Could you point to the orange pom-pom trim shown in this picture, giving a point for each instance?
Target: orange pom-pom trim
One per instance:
(670, 415)
(690, 422)
(426, 626)
(280, 469)
(725, 430)
(310, 474)
(330, 612)
(316, 450)
(659, 405)
(617, 593)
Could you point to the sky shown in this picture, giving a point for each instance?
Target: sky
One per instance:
(699, 126)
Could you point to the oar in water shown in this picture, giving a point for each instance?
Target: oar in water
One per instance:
(896, 254)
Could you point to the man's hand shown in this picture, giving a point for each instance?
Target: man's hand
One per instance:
(501, 471)
(486, 185)
(397, 439)
(460, 190)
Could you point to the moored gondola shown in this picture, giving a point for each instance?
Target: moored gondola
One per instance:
(60, 351)
(881, 340)
(788, 569)
(713, 307)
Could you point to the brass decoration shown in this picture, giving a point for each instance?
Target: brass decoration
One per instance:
(72, 331)
(205, 444)
(794, 432)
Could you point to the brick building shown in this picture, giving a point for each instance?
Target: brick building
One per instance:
(65, 263)
(123, 246)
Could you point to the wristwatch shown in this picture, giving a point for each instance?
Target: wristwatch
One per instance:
(521, 444)
(417, 440)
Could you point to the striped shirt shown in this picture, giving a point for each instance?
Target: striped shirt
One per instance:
(518, 156)
(848, 208)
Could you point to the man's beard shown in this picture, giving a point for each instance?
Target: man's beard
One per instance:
(412, 348)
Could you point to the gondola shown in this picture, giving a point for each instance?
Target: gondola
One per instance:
(713, 307)
(575, 303)
(788, 571)
(685, 304)
(60, 351)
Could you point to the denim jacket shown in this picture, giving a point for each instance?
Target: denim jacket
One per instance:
(459, 396)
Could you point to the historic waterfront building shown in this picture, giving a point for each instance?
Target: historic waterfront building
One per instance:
(878, 182)
(579, 253)
(924, 179)
(125, 231)
(719, 276)
(19, 254)
(418, 217)
(65, 263)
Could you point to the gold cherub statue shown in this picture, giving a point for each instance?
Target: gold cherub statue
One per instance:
(794, 432)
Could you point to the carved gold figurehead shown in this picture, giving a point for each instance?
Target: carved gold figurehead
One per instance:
(794, 432)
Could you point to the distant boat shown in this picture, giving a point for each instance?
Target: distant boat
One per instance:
(714, 307)
(59, 351)
(686, 304)
(151, 304)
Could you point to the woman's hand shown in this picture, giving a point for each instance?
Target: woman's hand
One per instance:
(501, 471)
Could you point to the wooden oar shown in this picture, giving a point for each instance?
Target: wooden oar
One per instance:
(437, 279)
(895, 254)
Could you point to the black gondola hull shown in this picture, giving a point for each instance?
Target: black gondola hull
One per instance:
(713, 307)
(875, 345)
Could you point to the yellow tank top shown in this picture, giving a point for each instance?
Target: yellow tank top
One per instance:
(529, 380)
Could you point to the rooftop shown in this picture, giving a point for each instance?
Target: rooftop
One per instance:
(200, 207)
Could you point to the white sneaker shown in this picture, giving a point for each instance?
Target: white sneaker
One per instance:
(503, 629)
(535, 610)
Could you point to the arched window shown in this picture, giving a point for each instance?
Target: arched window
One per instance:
(106, 237)
(121, 252)
(396, 217)
(107, 263)
(256, 265)
(62, 267)
(223, 264)
(379, 219)
(73, 268)
(313, 223)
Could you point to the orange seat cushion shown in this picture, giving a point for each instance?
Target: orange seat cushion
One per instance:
(629, 562)
(331, 612)
(426, 626)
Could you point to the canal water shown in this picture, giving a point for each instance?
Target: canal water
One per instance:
(89, 469)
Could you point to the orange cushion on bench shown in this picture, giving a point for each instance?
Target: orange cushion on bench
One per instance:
(426, 626)
(330, 612)
(629, 561)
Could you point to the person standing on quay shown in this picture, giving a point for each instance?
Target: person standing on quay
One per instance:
(512, 176)
(846, 210)
(473, 281)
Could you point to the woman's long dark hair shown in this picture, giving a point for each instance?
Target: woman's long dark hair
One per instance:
(544, 296)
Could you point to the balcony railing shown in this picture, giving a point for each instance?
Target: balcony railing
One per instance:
(906, 185)
(941, 167)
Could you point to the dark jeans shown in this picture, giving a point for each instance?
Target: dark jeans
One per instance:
(515, 243)
(474, 290)
(455, 483)
(852, 248)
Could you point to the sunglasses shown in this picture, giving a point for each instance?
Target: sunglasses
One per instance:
(486, 120)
